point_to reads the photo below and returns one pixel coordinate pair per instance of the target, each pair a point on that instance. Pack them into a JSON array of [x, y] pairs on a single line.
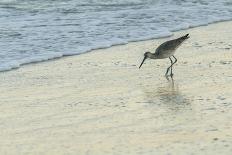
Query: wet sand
[[101, 103]]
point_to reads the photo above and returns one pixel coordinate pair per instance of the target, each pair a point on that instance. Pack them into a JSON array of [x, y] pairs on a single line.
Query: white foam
[[33, 32]]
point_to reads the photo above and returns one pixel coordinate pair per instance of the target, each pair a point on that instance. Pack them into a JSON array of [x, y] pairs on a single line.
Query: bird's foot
[[167, 77], [171, 75]]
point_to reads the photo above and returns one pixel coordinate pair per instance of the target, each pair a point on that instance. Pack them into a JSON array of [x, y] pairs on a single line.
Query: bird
[[166, 50]]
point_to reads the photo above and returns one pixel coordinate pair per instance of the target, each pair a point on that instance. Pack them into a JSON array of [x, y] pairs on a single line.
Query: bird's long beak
[[143, 61]]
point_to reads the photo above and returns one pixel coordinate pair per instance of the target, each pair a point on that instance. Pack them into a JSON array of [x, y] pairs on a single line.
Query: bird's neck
[[151, 56]]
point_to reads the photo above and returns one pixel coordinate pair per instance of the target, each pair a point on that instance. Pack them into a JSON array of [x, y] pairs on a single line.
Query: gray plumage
[[166, 50]]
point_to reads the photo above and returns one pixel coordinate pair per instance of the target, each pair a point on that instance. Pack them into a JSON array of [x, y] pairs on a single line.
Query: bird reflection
[[169, 96]]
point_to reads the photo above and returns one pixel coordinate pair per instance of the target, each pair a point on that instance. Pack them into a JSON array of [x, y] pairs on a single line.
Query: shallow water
[[39, 30]]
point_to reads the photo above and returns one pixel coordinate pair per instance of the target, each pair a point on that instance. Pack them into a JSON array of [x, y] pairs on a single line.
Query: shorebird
[[166, 50]]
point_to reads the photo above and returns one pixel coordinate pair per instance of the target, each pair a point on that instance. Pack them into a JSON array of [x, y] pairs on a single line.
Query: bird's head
[[146, 55]]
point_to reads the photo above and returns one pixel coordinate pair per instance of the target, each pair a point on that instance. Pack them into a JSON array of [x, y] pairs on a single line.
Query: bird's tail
[[185, 37]]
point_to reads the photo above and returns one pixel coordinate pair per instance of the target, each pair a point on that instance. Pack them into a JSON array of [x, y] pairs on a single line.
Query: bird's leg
[[173, 64], [175, 59], [171, 69], [166, 74]]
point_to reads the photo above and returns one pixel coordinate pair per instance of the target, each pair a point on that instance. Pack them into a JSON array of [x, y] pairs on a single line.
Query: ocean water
[[39, 30]]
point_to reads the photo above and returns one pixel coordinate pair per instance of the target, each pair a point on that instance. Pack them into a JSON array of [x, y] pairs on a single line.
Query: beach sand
[[100, 102]]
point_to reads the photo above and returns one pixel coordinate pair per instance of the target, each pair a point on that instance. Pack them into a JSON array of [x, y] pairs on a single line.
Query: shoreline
[[101, 103], [103, 48]]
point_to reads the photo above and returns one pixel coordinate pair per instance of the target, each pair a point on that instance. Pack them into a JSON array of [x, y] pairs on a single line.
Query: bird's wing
[[171, 44]]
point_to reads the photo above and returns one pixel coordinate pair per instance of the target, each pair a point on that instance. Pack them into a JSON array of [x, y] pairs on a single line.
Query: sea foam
[[33, 31]]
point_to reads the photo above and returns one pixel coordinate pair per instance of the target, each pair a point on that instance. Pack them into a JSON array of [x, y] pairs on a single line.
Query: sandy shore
[[101, 103]]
